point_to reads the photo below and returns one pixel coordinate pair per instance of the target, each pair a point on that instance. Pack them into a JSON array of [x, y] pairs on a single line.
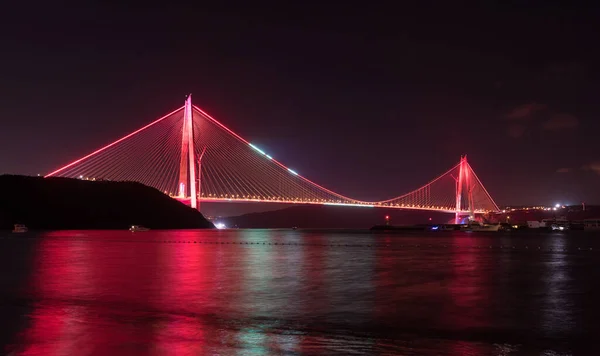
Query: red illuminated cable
[[170, 163], [151, 150], [483, 187], [88, 164], [429, 183], [238, 180], [160, 158], [111, 144], [221, 171], [241, 179], [123, 160], [274, 160]]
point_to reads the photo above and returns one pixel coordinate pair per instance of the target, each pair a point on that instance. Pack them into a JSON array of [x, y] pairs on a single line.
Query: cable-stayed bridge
[[192, 157]]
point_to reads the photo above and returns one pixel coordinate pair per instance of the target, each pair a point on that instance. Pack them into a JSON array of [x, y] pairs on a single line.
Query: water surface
[[280, 292]]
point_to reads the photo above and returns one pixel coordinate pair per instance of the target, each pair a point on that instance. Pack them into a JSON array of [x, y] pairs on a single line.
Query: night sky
[[370, 101]]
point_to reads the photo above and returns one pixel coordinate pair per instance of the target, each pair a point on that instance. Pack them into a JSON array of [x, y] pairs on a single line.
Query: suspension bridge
[[194, 158]]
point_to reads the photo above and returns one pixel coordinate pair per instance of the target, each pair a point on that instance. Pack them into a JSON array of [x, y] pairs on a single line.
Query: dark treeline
[[63, 203]]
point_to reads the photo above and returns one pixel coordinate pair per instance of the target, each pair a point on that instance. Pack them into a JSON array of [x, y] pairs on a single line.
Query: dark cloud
[[528, 116], [563, 170], [560, 122], [525, 111], [522, 114], [593, 167], [516, 130]]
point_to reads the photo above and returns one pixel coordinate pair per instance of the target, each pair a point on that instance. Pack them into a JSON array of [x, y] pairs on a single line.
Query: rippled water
[[263, 292]]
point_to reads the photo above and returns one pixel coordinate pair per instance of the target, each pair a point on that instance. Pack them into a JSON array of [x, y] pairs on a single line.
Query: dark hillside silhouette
[[63, 203], [322, 216]]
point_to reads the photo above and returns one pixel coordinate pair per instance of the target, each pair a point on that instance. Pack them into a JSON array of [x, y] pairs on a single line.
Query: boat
[[560, 221], [559, 227], [20, 228], [475, 226], [444, 227], [138, 228]]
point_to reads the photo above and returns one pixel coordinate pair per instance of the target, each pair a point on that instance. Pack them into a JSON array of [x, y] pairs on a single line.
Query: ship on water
[[477, 226]]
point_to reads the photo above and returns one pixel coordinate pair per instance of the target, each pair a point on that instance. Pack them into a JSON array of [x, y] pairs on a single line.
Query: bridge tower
[[464, 181], [187, 165]]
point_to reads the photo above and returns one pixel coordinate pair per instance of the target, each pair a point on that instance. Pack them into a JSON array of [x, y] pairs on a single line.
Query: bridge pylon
[[187, 165], [464, 185]]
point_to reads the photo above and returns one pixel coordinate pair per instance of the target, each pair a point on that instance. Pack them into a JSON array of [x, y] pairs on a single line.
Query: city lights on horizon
[[554, 207]]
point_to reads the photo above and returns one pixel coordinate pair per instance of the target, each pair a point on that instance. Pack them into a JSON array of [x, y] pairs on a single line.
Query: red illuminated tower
[[187, 166], [464, 179]]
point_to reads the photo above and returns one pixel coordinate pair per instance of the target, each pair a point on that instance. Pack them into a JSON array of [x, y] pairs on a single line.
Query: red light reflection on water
[[185, 279], [469, 285], [61, 274], [103, 293], [98, 294], [436, 284]]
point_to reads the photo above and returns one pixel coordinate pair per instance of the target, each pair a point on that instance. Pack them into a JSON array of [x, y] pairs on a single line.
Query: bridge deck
[[449, 210]]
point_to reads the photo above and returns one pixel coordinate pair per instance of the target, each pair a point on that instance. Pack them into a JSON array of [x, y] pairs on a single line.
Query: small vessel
[[476, 226], [20, 228], [444, 227], [138, 228], [559, 227], [560, 221], [294, 227]]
